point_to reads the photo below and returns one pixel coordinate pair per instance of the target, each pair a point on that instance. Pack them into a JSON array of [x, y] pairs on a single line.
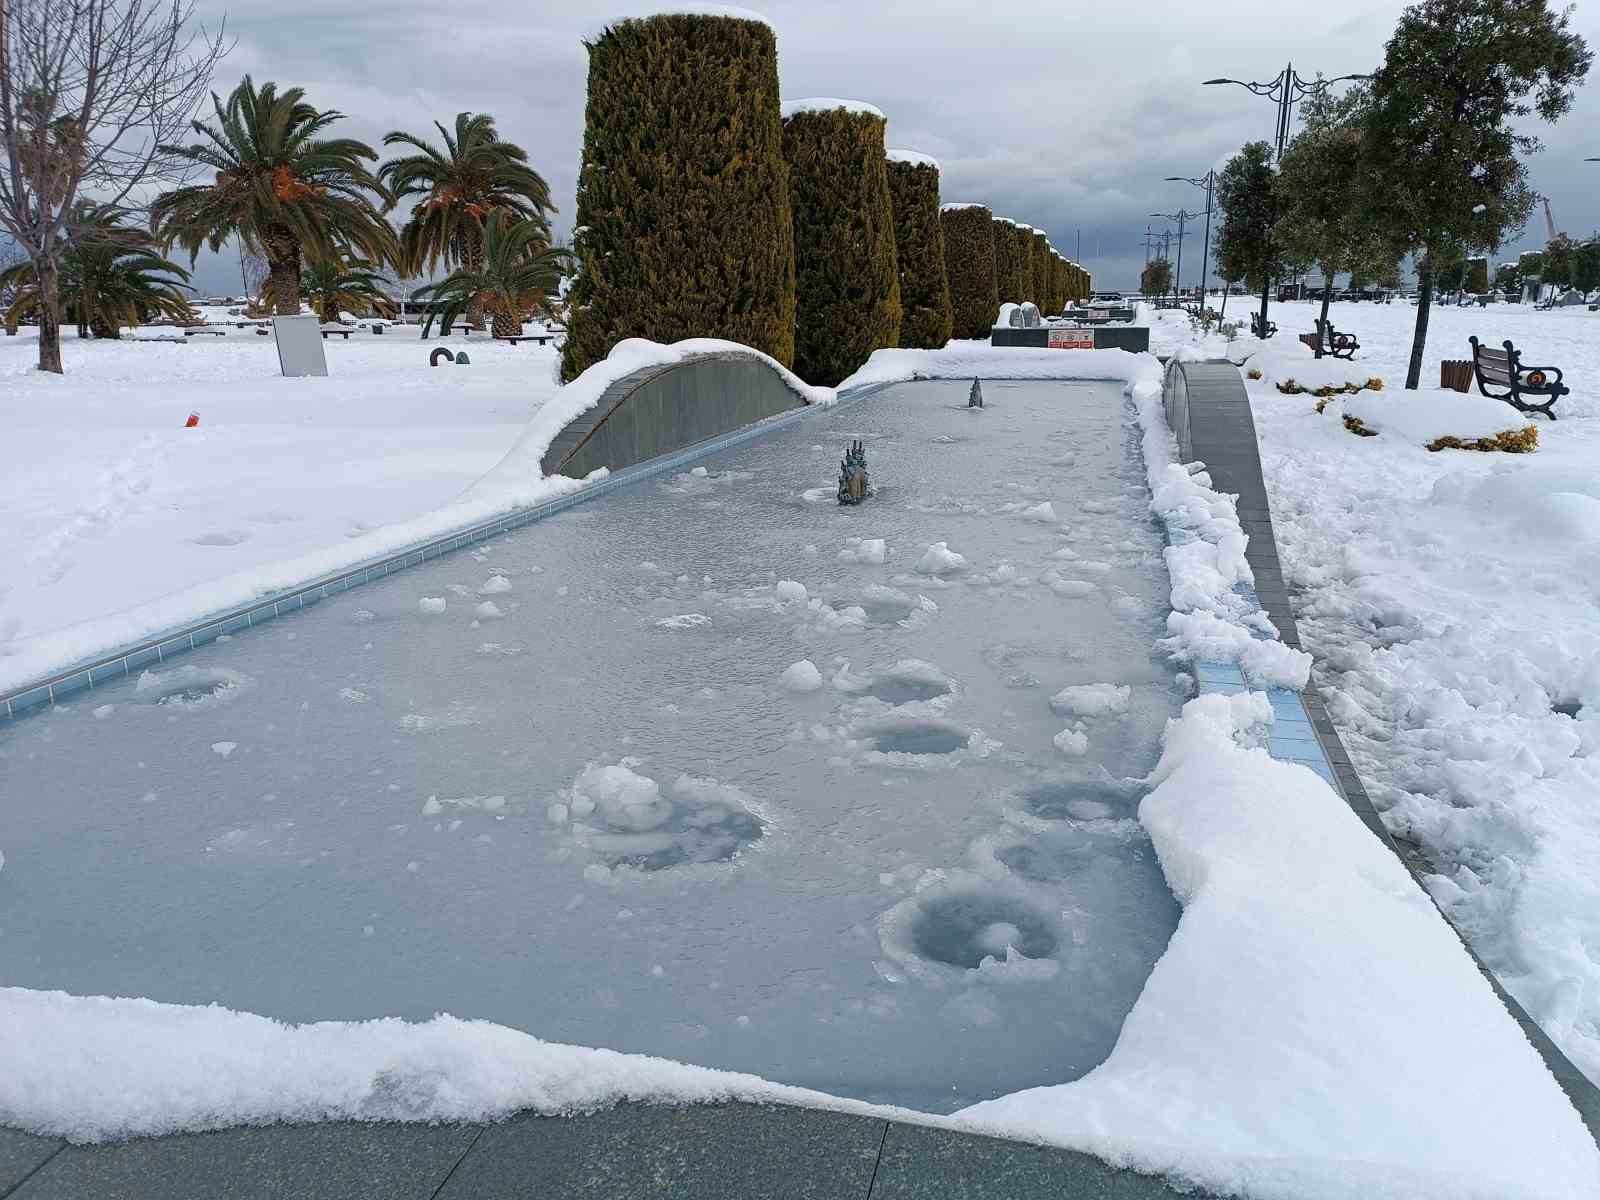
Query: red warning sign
[[1062, 338]]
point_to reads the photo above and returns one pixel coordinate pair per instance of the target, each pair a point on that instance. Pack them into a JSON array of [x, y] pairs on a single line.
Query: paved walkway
[[716, 1152]]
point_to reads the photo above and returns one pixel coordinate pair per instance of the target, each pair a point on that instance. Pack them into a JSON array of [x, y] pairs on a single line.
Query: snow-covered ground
[[1452, 601], [111, 503]]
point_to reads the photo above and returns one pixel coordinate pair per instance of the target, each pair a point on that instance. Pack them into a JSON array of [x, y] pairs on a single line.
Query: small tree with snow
[[847, 276], [1458, 78], [969, 266], [1156, 277], [1248, 195], [926, 318]]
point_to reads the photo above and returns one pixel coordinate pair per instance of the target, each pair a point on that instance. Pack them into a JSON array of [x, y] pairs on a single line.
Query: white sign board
[[1100, 314], [1062, 338], [299, 341]]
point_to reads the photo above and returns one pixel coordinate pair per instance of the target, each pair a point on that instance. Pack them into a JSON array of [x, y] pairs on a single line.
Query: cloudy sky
[[1062, 115]]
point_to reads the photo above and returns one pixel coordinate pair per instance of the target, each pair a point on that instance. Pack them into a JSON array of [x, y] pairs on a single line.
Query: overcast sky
[[1063, 116]]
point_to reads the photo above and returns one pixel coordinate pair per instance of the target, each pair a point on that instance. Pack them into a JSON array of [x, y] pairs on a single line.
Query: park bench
[[541, 338], [1334, 343], [335, 330], [1503, 369], [212, 332], [1255, 327]]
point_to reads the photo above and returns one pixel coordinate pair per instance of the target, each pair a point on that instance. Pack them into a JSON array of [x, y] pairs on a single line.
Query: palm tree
[[111, 276], [519, 270], [284, 191], [341, 285], [457, 189]]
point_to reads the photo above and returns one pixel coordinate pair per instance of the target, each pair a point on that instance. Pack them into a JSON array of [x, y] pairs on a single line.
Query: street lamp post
[[1182, 216], [1207, 181], [1286, 90]]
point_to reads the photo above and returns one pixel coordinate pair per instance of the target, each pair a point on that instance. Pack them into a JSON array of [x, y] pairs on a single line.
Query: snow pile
[[970, 360], [1314, 1029], [521, 465], [914, 158], [940, 560], [1092, 700], [802, 676], [817, 104], [92, 1068], [1285, 358], [1421, 417]]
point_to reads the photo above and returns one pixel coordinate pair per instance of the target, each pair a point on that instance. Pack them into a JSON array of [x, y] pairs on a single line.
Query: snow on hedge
[[1424, 416], [956, 205], [1314, 1029], [915, 158], [813, 104]]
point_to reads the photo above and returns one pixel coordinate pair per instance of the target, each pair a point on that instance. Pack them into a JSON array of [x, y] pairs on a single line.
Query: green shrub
[[1024, 236], [925, 320], [969, 266], [1041, 272], [847, 281], [683, 224], [1007, 261]]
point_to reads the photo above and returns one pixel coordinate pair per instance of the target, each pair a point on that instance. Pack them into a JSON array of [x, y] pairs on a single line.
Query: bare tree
[[90, 92]]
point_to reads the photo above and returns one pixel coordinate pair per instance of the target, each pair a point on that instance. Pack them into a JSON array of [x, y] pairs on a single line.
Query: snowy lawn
[[111, 503], [1451, 600]]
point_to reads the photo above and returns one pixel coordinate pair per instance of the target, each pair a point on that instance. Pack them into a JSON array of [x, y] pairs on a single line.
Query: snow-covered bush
[[925, 316], [683, 227], [969, 266], [1438, 419], [847, 281]]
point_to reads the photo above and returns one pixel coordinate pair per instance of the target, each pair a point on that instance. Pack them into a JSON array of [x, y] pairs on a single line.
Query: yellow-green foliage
[[683, 224], [1507, 441], [919, 250], [847, 275], [1253, 373], [1354, 425], [969, 266]]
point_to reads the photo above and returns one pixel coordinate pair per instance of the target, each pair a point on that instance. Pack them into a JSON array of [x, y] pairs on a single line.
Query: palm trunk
[[49, 276], [473, 257], [283, 260], [1419, 339], [506, 323], [1327, 295]]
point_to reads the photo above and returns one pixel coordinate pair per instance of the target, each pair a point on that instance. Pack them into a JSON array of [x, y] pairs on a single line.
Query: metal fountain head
[[854, 486]]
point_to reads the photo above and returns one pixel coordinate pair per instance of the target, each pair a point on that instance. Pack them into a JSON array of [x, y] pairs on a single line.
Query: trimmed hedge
[[847, 279], [683, 223], [1025, 263], [969, 250], [1041, 272], [1007, 261], [926, 319], [1058, 283]]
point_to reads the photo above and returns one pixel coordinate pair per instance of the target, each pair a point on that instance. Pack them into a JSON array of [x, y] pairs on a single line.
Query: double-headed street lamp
[[1286, 90], [1182, 217], [1209, 182]]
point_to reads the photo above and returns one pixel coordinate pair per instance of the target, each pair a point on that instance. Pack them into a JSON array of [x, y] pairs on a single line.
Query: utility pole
[[1286, 90], [1182, 217], [1209, 182]]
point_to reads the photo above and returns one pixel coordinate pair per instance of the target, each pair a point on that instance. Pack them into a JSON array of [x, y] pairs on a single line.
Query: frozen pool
[[574, 783]]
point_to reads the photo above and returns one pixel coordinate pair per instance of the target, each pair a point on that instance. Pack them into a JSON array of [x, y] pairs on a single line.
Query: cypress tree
[[1058, 283], [926, 317], [1041, 271], [683, 223], [847, 279], [1008, 269], [969, 250], [1024, 237]]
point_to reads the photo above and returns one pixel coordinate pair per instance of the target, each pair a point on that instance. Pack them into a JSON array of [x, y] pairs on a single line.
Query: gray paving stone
[[921, 1162], [21, 1154], [707, 1152], [345, 1161]]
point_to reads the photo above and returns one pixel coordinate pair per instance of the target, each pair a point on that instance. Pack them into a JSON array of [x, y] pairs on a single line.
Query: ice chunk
[[684, 621], [104, 711], [488, 610], [790, 592], [626, 799], [495, 585], [802, 676], [866, 551], [940, 560], [1072, 740], [1044, 513], [1092, 700], [223, 749], [431, 604], [699, 472]]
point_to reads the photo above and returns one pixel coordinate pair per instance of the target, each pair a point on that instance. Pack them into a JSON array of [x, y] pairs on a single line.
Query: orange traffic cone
[[193, 421]]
